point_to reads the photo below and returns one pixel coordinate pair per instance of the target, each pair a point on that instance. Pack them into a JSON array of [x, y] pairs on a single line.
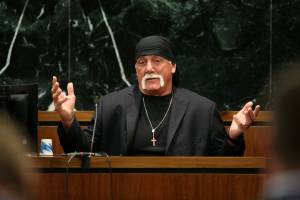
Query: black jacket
[[195, 126]]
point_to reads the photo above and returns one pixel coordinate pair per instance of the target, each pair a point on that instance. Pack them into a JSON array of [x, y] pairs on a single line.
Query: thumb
[[70, 89]]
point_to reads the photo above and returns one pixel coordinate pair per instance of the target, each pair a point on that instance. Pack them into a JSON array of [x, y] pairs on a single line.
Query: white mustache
[[152, 75]]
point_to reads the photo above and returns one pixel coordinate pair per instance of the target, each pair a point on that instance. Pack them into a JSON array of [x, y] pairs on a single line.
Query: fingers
[[247, 106], [70, 89], [247, 111], [251, 114], [56, 95], [256, 110], [56, 90], [59, 98], [246, 116], [54, 80], [63, 95], [244, 124], [55, 85], [60, 101]]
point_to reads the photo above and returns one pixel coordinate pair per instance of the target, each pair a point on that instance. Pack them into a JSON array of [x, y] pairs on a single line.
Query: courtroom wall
[[227, 50]]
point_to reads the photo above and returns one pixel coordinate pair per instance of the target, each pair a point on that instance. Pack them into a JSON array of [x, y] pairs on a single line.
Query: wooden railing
[[257, 137], [85, 116]]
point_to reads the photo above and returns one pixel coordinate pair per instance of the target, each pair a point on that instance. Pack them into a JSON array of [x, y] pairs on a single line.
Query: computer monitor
[[20, 104]]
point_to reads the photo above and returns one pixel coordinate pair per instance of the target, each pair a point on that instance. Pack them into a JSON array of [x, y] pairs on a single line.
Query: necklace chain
[[161, 121]]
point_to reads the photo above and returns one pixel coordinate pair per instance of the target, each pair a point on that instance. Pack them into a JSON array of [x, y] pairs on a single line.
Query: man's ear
[[173, 70]]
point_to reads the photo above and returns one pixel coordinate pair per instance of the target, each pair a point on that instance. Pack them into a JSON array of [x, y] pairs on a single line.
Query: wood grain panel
[[258, 141], [245, 184], [148, 186], [86, 116], [172, 186], [49, 116]]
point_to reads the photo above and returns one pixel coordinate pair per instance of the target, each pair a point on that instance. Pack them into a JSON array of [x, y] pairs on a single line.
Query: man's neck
[[156, 93]]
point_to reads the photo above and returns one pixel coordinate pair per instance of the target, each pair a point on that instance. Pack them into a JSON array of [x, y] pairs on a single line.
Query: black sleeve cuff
[[237, 141]]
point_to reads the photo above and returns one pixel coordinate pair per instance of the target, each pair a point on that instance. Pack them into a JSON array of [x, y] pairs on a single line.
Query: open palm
[[64, 103]]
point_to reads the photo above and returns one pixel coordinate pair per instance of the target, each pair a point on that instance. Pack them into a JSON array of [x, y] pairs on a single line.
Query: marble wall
[[227, 50]]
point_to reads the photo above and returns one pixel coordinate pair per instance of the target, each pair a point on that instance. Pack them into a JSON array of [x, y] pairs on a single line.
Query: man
[[152, 117]]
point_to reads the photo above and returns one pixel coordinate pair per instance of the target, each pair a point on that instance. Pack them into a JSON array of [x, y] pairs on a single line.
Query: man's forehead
[[150, 57], [155, 45]]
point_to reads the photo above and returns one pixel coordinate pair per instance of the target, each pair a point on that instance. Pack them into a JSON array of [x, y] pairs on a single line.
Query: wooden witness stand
[[160, 178]]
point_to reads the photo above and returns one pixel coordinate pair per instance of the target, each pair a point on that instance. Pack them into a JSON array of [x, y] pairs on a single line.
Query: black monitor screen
[[19, 102]]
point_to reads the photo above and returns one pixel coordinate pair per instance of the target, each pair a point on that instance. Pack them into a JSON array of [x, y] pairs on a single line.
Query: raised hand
[[64, 103], [243, 120]]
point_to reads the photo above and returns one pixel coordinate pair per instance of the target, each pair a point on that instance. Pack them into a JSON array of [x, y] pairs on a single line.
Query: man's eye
[[157, 60], [141, 62]]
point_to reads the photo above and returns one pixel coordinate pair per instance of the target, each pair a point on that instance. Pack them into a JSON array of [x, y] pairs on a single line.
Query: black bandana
[[155, 45]]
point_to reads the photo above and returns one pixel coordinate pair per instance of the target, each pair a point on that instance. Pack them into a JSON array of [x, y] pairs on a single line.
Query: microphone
[[86, 155], [94, 129]]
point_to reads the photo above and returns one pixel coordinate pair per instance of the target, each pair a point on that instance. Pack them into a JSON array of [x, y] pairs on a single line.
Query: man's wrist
[[235, 140], [67, 123]]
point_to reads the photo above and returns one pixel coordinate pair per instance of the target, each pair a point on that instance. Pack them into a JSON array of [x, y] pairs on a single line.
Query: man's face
[[155, 75]]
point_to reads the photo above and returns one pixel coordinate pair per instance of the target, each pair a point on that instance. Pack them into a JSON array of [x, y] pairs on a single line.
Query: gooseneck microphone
[[95, 124], [85, 162], [90, 153]]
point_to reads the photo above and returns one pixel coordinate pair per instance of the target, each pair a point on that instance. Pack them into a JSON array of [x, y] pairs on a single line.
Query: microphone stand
[[86, 156]]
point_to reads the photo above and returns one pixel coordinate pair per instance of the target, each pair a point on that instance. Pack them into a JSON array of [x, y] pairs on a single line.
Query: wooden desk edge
[[152, 162]]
